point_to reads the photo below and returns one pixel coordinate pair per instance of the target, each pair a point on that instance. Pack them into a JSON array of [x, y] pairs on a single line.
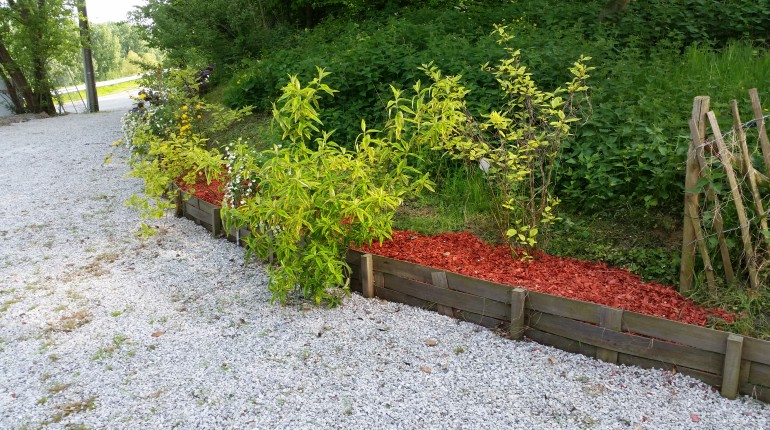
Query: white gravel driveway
[[101, 330]]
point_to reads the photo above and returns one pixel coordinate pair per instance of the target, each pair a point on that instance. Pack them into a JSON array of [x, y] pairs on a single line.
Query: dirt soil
[[8, 120]]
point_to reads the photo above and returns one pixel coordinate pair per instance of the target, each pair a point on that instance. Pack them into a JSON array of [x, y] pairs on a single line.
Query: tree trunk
[[309, 15], [18, 104], [18, 80], [43, 91]]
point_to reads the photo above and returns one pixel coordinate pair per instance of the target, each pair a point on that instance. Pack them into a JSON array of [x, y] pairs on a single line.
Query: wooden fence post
[[216, 223], [179, 204], [749, 167], [610, 319], [518, 306], [687, 269], [732, 368], [691, 209], [367, 276], [440, 281], [764, 143], [726, 157]]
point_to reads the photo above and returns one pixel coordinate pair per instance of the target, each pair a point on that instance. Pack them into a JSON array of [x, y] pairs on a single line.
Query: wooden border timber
[[735, 363], [739, 365], [199, 211]]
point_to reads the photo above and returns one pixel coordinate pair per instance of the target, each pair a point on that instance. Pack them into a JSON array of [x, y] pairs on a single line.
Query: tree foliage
[[106, 50], [228, 31], [33, 34]]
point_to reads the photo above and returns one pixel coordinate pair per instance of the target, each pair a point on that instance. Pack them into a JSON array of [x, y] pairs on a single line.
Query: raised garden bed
[[736, 364]]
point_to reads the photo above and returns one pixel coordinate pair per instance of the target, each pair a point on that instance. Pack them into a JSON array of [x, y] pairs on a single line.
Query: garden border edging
[[738, 364]]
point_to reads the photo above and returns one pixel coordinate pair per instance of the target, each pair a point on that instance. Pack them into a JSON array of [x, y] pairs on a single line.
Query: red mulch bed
[[466, 254], [212, 193], [593, 282]]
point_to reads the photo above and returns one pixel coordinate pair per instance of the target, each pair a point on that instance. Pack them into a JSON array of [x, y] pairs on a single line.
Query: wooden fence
[[730, 154], [735, 363]]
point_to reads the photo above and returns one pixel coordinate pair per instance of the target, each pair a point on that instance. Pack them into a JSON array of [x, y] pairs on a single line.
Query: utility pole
[[88, 60]]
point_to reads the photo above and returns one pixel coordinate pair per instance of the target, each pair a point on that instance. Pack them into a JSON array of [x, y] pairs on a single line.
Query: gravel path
[[101, 330]]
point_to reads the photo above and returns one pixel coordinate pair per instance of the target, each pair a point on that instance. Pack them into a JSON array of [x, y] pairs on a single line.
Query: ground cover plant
[[623, 166]]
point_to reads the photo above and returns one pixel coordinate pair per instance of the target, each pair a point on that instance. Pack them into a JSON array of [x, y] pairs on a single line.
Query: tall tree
[[32, 34], [106, 51]]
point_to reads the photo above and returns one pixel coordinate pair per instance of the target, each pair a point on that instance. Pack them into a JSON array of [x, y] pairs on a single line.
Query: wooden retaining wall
[[206, 215], [736, 364]]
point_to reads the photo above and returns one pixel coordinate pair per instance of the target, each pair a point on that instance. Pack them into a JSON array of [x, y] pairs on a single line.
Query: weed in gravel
[[58, 388], [38, 227], [4, 306], [54, 358], [107, 351], [66, 409], [77, 427], [34, 286], [116, 313], [71, 293], [72, 322]]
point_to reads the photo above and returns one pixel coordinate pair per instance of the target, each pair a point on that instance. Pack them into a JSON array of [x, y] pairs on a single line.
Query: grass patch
[[72, 322], [107, 351], [66, 409], [7, 304], [58, 388], [80, 96], [460, 203]]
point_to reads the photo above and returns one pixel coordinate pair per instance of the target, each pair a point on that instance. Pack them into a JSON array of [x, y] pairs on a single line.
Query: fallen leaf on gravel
[[551, 360], [425, 369], [158, 333], [694, 418], [431, 342]]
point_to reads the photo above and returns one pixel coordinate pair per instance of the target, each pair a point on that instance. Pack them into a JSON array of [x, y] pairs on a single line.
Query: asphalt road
[[113, 102]]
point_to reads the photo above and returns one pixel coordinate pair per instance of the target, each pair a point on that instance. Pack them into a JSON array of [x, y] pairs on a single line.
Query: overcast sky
[[110, 10]]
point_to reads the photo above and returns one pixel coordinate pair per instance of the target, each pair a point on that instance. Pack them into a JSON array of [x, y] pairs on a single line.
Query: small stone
[[158, 333], [431, 342], [426, 369]]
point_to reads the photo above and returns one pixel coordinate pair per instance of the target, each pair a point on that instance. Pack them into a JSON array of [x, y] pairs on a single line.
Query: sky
[[100, 11]]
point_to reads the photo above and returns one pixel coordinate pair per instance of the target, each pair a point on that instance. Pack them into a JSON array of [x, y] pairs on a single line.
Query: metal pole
[[88, 61]]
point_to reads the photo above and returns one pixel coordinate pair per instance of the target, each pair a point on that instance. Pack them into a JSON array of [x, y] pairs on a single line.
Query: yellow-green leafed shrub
[[167, 134], [314, 198]]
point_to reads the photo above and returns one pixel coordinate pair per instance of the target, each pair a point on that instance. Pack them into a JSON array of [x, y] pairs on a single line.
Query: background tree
[[33, 34], [228, 31], [106, 50]]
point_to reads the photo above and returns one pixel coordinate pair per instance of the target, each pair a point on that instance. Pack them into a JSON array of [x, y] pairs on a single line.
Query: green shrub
[[632, 151], [167, 135], [313, 198]]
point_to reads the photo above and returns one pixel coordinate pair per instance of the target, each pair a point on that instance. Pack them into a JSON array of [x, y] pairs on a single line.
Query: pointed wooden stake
[[764, 143], [687, 268], [726, 157], [749, 168]]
